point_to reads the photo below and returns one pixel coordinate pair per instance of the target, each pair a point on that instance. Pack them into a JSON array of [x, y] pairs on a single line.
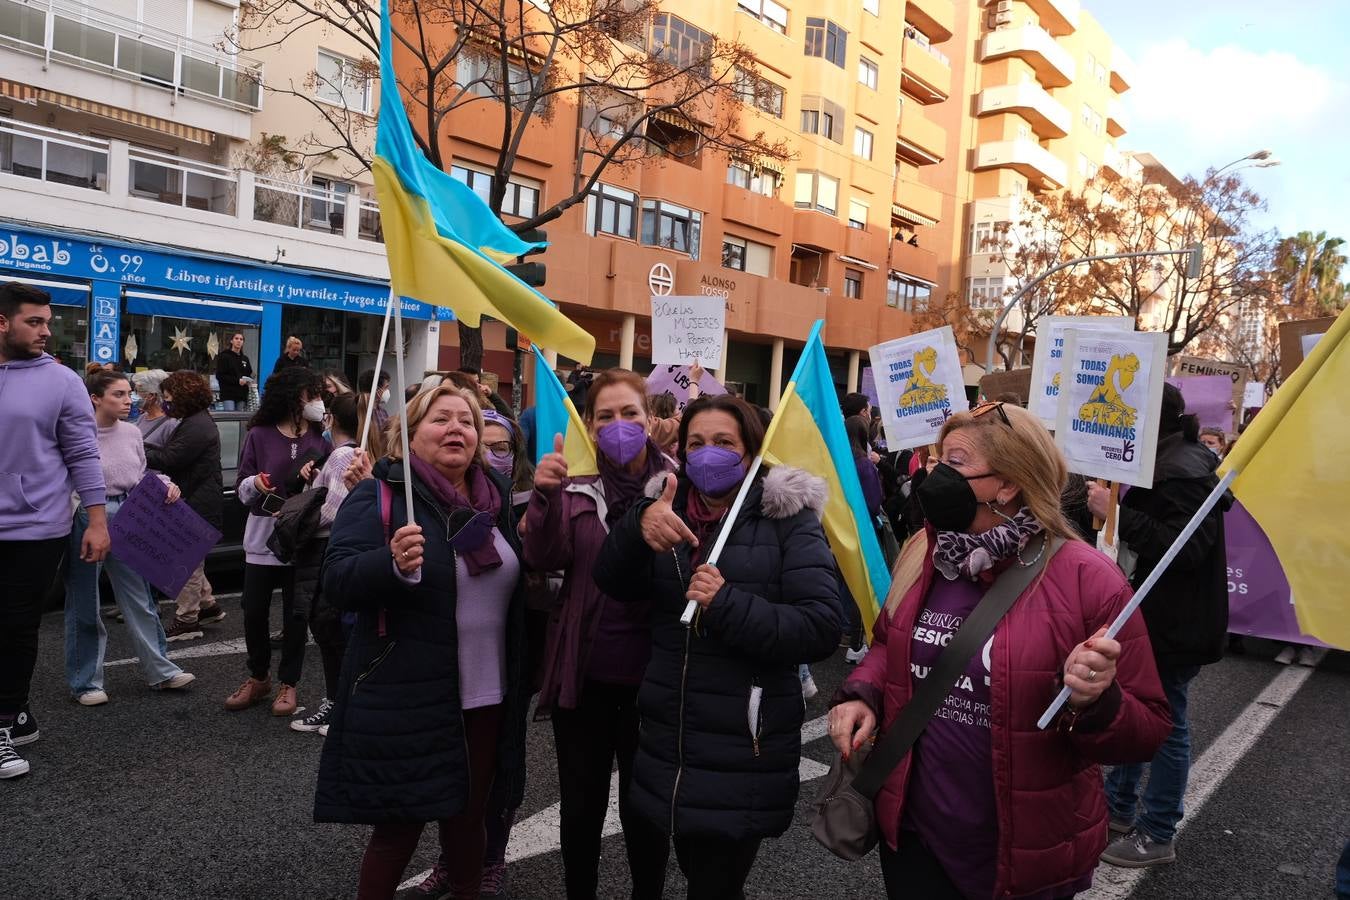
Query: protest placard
[[1209, 397], [1110, 394], [1193, 365], [1254, 395], [919, 386], [1048, 361], [675, 381], [868, 388], [161, 542], [1013, 381], [1294, 344], [686, 330]]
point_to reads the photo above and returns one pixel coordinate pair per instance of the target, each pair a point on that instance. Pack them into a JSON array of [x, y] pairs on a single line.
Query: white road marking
[[194, 651], [1210, 770], [539, 833]]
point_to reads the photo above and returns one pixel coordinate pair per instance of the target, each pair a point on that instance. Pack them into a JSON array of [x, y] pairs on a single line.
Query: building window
[[522, 198], [611, 210], [733, 253], [477, 180], [868, 72], [1087, 169], [826, 40], [872, 6], [328, 202], [607, 113], [665, 138], [988, 237], [986, 293], [339, 80], [768, 12], [823, 117], [862, 143], [816, 191], [857, 215], [674, 227], [853, 284], [758, 181], [680, 44], [480, 74], [760, 93], [908, 294]]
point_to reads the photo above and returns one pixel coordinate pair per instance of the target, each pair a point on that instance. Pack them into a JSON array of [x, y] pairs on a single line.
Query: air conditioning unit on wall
[[1003, 6], [998, 19]]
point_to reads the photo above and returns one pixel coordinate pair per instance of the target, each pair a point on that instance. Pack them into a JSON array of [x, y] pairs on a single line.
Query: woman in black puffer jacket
[[721, 702]]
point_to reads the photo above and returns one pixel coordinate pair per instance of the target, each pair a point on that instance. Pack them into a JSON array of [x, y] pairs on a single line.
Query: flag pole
[[403, 416], [1053, 709], [372, 400], [687, 617]]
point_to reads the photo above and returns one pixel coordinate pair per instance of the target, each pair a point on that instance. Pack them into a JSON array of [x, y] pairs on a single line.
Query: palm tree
[[1311, 266]]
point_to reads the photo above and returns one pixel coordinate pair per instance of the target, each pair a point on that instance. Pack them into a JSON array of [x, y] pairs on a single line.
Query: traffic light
[[532, 273]]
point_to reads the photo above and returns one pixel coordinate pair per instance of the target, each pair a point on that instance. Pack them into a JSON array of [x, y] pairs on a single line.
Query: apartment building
[[133, 186]]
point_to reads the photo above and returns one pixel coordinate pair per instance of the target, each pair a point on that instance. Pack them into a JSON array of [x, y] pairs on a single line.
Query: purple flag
[[1259, 601], [675, 379], [161, 542], [1208, 396]]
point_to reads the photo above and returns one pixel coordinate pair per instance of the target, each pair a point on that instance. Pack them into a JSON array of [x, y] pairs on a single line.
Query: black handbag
[[845, 818]]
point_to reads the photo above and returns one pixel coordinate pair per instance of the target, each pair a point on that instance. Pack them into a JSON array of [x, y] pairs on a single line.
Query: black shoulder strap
[[970, 637]]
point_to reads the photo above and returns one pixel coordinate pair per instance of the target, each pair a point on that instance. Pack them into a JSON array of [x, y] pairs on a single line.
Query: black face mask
[[947, 499]]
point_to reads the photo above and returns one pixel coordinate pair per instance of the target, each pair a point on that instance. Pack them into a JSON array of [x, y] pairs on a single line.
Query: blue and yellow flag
[[445, 245], [554, 414], [1294, 482], [808, 432]]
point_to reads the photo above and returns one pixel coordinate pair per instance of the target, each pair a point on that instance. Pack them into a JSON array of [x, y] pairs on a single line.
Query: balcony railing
[[46, 154], [182, 182], [81, 35]]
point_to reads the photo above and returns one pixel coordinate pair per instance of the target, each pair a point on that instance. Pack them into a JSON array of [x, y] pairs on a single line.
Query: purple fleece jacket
[[50, 448]]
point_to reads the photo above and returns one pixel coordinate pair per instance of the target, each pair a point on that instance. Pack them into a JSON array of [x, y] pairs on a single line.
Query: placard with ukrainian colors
[[1110, 394], [1048, 361], [919, 386]]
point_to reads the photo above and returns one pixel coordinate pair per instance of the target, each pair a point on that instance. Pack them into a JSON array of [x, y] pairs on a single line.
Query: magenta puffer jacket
[[1048, 790]]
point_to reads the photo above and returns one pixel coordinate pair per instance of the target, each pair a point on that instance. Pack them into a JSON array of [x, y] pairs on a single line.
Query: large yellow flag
[[1293, 477]]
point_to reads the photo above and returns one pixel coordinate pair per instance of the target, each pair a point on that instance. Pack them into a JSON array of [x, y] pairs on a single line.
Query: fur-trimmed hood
[[786, 491]]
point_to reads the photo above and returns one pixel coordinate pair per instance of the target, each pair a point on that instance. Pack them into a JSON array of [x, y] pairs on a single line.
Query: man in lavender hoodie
[[50, 448]]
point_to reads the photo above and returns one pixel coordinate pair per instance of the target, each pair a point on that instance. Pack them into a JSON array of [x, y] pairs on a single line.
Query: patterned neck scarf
[[960, 554]]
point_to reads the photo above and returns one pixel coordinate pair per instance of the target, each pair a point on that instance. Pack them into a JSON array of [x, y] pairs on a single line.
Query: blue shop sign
[[55, 253]]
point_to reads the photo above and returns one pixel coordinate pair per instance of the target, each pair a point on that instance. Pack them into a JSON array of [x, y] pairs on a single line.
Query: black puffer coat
[[191, 459], [395, 750], [705, 766], [1187, 611]]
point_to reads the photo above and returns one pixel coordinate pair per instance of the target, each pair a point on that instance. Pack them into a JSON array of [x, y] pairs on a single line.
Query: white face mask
[[384, 395], [313, 411]]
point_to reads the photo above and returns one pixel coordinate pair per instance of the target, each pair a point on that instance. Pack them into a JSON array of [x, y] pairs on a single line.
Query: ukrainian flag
[[1294, 483], [555, 414], [808, 432], [444, 244]]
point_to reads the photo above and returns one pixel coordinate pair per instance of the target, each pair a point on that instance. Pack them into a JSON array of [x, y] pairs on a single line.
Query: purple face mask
[[714, 470], [505, 463], [622, 441]]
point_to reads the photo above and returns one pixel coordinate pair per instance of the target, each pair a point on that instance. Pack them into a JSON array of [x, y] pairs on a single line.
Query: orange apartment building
[[913, 121]]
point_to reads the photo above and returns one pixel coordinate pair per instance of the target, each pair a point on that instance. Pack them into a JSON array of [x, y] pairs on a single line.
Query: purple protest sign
[[675, 379], [161, 542], [1208, 396], [869, 385], [1259, 601]]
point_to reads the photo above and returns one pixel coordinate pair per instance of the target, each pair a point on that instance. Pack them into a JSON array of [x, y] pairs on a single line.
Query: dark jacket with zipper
[[707, 764], [396, 749], [230, 367], [191, 459], [1187, 610]]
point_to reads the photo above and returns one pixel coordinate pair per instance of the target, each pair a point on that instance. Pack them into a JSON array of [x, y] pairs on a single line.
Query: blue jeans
[[86, 637], [228, 405], [1167, 773], [1343, 874]]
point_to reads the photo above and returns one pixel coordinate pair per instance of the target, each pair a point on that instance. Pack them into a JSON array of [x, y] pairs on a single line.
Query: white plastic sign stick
[[687, 329], [374, 398], [687, 617]]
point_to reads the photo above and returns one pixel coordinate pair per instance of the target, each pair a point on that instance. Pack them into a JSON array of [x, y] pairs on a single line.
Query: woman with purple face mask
[[596, 649], [717, 761]]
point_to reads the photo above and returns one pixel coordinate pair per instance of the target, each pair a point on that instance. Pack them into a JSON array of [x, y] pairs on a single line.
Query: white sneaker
[[853, 657], [1285, 656], [809, 688], [177, 682], [1309, 656], [93, 698], [12, 764], [323, 730]]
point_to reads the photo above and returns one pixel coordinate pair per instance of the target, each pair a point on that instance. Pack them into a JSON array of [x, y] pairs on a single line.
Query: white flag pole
[[687, 617], [403, 405], [1149, 583], [372, 400]]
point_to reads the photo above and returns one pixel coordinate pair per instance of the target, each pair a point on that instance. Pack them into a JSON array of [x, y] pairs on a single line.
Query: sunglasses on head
[[994, 406]]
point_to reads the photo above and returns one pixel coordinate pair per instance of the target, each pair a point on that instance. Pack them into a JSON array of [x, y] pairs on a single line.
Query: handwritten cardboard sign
[[1109, 399], [919, 385], [686, 330], [1254, 395], [1048, 362], [675, 381], [1013, 381], [1293, 346], [161, 542], [1194, 365]]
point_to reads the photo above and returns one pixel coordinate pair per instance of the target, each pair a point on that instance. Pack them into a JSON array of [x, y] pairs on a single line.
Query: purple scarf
[[958, 553], [622, 487], [483, 497]]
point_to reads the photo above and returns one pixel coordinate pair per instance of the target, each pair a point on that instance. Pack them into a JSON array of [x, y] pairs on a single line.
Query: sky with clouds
[[1216, 81]]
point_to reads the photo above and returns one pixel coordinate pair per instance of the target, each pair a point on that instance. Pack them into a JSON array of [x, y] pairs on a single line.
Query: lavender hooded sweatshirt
[[50, 448]]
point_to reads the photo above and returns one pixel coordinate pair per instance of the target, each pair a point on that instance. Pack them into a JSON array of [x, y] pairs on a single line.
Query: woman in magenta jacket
[[987, 805]]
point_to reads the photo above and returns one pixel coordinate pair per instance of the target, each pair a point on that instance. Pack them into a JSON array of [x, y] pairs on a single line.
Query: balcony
[[1123, 164], [768, 214], [1117, 123], [1053, 64], [922, 142], [1059, 17], [1046, 115], [818, 230], [916, 261], [924, 204], [1027, 157], [925, 72], [1122, 71], [935, 18]]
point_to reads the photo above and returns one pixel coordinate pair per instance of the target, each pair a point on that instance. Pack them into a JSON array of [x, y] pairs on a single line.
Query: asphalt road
[[170, 796]]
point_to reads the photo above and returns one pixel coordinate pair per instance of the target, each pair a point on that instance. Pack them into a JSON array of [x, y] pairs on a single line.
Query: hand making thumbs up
[[662, 529], [552, 469]]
